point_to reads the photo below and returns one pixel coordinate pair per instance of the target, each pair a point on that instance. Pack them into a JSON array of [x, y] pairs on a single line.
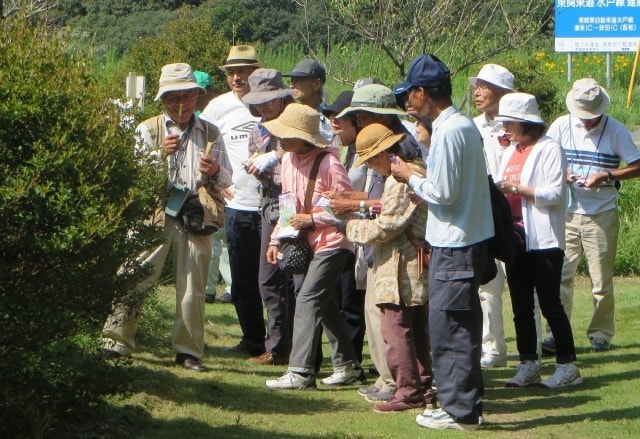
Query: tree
[[73, 194], [461, 32]]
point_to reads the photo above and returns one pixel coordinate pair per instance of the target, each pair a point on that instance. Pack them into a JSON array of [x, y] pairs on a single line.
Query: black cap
[[342, 101], [308, 68]]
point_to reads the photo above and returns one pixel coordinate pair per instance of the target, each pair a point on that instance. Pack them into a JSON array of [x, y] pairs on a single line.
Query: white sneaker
[[441, 420], [528, 374], [345, 375], [493, 360], [565, 375], [292, 381]]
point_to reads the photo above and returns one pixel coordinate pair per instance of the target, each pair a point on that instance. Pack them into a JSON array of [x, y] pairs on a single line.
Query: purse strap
[[311, 184]]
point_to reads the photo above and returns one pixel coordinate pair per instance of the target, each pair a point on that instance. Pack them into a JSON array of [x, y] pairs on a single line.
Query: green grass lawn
[[231, 400]]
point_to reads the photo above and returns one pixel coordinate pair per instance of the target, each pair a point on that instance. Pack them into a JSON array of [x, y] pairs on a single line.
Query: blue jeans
[[243, 240]]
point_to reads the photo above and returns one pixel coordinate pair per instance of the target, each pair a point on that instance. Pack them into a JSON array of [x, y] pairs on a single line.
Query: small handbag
[[295, 255]]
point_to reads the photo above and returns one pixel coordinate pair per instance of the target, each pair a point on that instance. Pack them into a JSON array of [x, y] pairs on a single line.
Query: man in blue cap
[[459, 224]]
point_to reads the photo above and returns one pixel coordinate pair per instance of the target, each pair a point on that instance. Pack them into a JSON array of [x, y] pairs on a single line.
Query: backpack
[[502, 245]]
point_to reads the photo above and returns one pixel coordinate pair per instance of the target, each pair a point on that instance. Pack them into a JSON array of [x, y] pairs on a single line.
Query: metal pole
[[569, 66], [633, 75], [608, 69]]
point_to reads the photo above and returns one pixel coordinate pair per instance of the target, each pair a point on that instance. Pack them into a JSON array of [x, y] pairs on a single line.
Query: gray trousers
[[455, 328], [316, 307]]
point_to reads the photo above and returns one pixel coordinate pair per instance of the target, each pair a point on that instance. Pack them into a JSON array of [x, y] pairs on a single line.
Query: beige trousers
[[191, 256], [376, 343], [595, 236]]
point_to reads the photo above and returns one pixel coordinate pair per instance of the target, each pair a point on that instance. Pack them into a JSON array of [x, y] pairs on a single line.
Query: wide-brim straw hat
[[374, 98], [265, 85], [374, 139], [177, 77], [241, 56], [587, 99], [519, 107], [298, 121]]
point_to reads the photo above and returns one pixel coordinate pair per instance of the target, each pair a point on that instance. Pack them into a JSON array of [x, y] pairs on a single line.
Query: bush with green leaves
[[72, 197]]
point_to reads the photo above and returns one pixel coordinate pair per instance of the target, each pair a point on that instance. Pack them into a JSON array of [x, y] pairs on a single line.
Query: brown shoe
[[270, 358], [191, 363]]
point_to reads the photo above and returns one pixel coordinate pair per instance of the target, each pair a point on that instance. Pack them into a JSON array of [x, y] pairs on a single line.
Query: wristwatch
[[362, 209], [514, 189]]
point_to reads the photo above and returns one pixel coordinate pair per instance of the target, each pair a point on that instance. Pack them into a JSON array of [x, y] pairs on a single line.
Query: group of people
[[390, 191]]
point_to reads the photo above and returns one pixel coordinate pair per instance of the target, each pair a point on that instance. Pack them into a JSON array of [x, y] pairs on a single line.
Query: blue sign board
[[597, 25]]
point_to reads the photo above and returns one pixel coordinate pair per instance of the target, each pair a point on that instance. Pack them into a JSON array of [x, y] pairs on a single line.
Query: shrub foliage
[[72, 193]]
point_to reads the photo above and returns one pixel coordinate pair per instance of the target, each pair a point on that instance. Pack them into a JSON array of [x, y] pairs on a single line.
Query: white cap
[[519, 107], [496, 75]]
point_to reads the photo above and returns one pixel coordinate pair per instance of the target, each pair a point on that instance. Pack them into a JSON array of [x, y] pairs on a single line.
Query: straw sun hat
[[373, 139], [297, 121]]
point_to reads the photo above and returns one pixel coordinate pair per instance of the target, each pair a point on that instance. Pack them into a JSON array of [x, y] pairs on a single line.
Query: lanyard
[[595, 153], [177, 159]]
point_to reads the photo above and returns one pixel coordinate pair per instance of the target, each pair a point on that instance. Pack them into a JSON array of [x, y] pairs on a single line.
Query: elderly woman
[[298, 128], [532, 175], [400, 281], [267, 99]]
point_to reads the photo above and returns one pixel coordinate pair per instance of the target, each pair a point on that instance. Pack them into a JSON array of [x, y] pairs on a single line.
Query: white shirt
[[599, 150], [490, 130], [235, 122], [544, 217]]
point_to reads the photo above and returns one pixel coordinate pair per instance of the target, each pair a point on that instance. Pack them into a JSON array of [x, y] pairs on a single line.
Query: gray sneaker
[[528, 374], [225, 298], [292, 381], [379, 397], [364, 391], [565, 375]]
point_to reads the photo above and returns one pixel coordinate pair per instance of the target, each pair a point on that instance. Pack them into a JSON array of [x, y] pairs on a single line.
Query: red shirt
[[512, 173]]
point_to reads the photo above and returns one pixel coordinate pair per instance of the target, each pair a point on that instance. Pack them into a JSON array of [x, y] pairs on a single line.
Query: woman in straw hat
[[532, 175], [401, 283], [316, 305]]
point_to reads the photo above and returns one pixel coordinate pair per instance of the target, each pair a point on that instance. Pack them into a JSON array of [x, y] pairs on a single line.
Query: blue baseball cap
[[428, 71]]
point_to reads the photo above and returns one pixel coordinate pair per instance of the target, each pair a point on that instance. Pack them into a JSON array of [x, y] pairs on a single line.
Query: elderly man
[[243, 222], [595, 144], [458, 227], [493, 82], [180, 135]]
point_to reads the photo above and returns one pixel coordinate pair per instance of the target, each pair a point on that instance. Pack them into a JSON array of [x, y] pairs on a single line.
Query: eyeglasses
[[174, 97]]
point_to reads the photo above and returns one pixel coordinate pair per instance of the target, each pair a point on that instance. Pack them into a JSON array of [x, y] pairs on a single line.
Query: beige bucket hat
[[177, 77], [587, 99], [298, 121]]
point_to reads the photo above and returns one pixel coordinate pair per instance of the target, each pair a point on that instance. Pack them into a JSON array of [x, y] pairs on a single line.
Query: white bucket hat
[[297, 121], [177, 77], [587, 99], [496, 75], [519, 107]]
